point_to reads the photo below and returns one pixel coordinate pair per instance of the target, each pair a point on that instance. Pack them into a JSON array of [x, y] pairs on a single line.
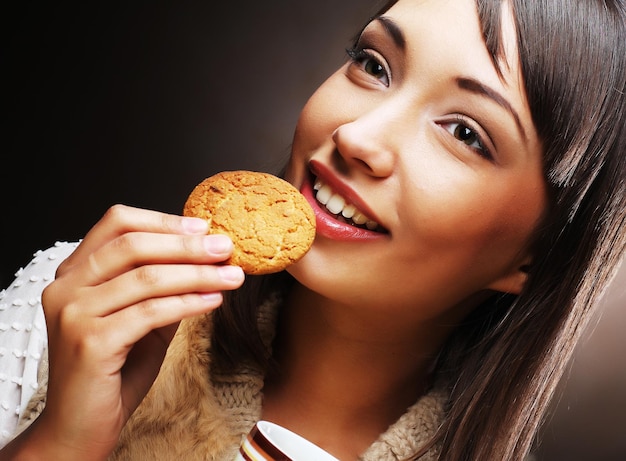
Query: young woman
[[484, 143]]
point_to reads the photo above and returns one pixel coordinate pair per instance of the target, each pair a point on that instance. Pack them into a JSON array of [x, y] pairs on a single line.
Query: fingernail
[[230, 273], [218, 244], [195, 225]]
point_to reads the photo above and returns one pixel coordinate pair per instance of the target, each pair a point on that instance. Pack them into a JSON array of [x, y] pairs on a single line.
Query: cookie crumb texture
[[269, 220]]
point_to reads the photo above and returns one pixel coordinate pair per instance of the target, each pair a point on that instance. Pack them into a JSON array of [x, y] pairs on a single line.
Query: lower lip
[[330, 227]]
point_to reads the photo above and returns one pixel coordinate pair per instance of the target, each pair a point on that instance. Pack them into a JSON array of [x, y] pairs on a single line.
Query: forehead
[[462, 13], [443, 32], [464, 16]]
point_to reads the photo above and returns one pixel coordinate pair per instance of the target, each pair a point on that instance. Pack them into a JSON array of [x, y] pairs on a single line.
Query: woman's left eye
[[369, 64], [467, 135]]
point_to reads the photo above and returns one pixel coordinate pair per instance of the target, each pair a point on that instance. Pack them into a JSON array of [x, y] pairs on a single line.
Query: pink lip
[[327, 225]]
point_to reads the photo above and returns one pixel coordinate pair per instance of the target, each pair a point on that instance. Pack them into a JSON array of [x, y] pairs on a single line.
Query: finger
[[138, 249], [115, 335], [154, 281], [121, 219], [128, 253]]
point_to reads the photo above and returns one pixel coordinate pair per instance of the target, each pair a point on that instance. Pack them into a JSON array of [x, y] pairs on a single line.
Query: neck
[[340, 368]]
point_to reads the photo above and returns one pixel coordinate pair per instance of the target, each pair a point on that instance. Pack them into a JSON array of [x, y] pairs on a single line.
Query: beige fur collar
[[191, 414]]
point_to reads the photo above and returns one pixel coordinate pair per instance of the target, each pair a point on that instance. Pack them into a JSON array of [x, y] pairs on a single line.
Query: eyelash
[[360, 56], [481, 149]]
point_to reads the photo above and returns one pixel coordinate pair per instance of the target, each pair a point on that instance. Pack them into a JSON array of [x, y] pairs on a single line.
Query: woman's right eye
[[368, 63]]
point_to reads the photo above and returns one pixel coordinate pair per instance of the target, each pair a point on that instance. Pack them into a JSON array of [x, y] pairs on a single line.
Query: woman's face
[[437, 153]]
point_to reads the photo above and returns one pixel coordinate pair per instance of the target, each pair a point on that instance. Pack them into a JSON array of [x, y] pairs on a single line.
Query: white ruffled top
[[23, 336]]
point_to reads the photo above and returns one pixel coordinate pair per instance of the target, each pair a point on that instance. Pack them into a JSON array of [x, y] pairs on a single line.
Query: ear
[[512, 282]]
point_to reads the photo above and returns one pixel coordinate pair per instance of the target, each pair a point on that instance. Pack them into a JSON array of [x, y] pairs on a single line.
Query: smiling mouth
[[343, 211]]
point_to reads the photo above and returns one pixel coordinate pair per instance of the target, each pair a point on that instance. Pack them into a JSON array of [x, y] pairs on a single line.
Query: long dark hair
[[503, 364]]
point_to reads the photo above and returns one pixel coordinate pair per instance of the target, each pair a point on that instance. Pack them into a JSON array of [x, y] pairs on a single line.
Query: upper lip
[[350, 195]]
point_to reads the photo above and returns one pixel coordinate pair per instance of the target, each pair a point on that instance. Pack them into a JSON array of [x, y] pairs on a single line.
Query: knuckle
[[147, 275], [128, 246], [82, 337], [116, 213], [148, 308], [192, 246], [204, 273], [89, 342], [63, 268], [170, 222], [68, 316], [77, 334], [48, 294], [53, 300], [188, 245], [126, 243]]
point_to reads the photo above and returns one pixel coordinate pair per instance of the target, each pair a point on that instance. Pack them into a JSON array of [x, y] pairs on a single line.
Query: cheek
[[323, 113], [487, 222]]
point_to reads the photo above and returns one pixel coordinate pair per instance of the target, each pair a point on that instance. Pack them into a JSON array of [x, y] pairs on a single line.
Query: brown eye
[[367, 62], [373, 68], [467, 135]]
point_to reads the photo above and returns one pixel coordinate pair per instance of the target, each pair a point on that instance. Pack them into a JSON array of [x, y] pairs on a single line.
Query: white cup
[[271, 442]]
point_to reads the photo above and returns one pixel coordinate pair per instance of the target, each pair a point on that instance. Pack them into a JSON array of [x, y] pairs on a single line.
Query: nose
[[366, 143]]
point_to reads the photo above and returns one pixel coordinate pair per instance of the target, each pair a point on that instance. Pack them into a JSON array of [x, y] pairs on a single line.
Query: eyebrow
[[393, 30], [479, 88]]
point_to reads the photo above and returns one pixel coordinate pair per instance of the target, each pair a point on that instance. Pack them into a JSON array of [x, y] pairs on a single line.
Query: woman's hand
[[111, 314]]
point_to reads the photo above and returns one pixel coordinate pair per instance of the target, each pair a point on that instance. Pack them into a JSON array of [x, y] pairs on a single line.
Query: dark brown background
[[134, 102]]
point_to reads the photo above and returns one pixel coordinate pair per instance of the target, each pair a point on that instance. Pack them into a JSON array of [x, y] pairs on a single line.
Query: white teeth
[[324, 194], [336, 204], [348, 211]]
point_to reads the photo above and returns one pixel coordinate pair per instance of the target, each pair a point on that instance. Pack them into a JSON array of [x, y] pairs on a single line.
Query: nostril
[[343, 163], [363, 164], [339, 162]]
